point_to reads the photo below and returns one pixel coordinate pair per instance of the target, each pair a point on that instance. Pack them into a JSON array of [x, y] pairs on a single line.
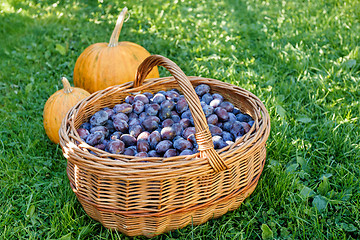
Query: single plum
[[99, 118], [116, 146], [202, 89], [170, 153], [123, 107]]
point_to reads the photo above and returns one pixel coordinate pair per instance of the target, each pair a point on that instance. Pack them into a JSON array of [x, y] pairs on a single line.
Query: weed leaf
[[281, 111], [307, 192], [324, 186], [320, 203], [266, 232], [350, 63], [66, 237], [304, 119], [292, 168], [302, 163], [61, 49], [30, 212]]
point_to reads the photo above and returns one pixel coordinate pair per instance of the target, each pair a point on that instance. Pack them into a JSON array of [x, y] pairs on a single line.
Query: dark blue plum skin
[[167, 104], [185, 122], [218, 96], [227, 126], [227, 136], [133, 115], [236, 111], [95, 138], [142, 116], [177, 138], [100, 146], [141, 155], [149, 95], [130, 152], [128, 140], [83, 133], [243, 117], [143, 145], [251, 123], [163, 146], [129, 99], [109, 111], [154, 139], [86, 125], [222, 114], [134, 122], [186, 152], [212, 119], [182, 144], [208, 110], [102, 129], [116, 147], [144, 135], [141, 97], [99, 118], [187, 114], [177, 127], [202, 89], [110, 126], [123, 107], [115, 135], [154, 118], [219, 142], [181, 105], [215, 130], [172, 94], [207, 98], [150, 125], [176, 118], [138, 107], [168, 133], [165, 113], [135, 130], [228, 106], [120, 116], [246, 127], [170, 153], [152, 109], [121, 125], [237, 129], [153, 153], [188, 131], [232, 117], [167, 123], [158, 98]]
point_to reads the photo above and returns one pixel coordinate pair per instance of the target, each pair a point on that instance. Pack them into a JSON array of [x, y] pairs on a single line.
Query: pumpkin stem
[[66, 84], [114, 39]]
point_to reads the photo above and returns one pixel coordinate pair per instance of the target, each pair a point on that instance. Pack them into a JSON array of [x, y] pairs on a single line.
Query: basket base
[[152, 226]]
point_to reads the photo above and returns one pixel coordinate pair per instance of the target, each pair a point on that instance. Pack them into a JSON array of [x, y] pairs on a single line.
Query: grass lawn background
[[302, 58]]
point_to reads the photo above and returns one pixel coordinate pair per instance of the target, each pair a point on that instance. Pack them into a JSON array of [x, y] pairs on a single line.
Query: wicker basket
[[151, 196]]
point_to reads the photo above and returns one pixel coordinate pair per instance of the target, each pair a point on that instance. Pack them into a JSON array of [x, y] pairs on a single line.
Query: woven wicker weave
[[150, 196]]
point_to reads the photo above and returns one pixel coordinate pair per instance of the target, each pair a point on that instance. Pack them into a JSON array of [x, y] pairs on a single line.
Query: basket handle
[[203, 135]]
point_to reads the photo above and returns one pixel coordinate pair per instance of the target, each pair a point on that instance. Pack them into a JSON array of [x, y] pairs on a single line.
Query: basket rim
[[152, 165]]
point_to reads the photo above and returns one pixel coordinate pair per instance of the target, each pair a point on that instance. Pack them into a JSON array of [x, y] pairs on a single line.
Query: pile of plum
[[161, 125]]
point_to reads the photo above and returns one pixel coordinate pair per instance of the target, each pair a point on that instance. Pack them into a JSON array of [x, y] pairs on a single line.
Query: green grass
[[302, 58]]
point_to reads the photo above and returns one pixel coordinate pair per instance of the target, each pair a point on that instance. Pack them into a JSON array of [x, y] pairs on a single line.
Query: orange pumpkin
[[102, 65], [58, 105]]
